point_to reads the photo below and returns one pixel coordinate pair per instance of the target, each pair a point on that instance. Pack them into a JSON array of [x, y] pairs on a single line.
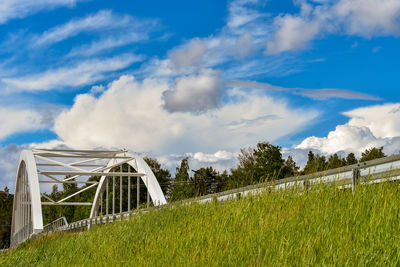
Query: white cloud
[[365, 18], [131, 114], [14, 120], [368, 127], [382, 120], [82, 73], [195, 93], [100, 21], [11, 9], [190, 55], [212, 158], [369, 18], [293, 33], [9, 156], [322, 94], [245, 18], [105, 44], [318, 94], [97, 89], [244, 46]]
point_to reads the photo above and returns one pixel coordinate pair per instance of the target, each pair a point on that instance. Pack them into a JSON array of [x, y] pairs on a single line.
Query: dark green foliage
[[335, 161], [290, 168], [351, 159], [208, 181], [315, 163], [263, 163], [372, 153], [269, 162], [6, 202], [182, 185]]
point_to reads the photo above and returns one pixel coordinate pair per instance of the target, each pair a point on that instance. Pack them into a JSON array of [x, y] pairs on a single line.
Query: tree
[[208, 181], [291, 169], [372, 153], [269, 162], [182, 185], [262, 163], [315, 163], [6, 205], [351, 159], [335, 161]]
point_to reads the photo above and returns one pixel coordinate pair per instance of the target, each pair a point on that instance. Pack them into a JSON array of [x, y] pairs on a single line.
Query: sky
[[202, 79]]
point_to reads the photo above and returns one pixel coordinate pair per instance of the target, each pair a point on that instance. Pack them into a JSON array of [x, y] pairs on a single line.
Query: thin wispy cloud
[[323, 94], [100, 21], [317, 94], [12, 9], [106, 44], [79, 74]]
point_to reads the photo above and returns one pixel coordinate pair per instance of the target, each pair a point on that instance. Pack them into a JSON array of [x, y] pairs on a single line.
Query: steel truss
[[74, 167]]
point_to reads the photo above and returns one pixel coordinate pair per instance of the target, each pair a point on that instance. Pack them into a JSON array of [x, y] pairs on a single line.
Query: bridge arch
[[68, 166], [27, 209], [149, 179]]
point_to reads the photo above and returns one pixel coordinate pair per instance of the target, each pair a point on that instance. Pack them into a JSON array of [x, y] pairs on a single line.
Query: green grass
[[321, 227]]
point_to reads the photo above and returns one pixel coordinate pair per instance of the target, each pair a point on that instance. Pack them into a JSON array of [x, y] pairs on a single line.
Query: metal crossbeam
[[88, 173], [76, 193], [67, 203], [74, 164], [66, 182], [79, 151]]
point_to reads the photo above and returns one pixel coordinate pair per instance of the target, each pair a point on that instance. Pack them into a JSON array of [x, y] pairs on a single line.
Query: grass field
[[320, 227]]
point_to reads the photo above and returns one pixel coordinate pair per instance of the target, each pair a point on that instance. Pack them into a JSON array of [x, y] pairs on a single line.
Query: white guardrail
[[374, 171]]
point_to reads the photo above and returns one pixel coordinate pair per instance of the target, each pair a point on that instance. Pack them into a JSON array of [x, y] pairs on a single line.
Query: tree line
[[261, 163]]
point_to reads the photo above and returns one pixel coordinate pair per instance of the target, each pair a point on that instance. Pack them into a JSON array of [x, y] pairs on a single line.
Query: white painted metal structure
[[71, 167], [27, 215]]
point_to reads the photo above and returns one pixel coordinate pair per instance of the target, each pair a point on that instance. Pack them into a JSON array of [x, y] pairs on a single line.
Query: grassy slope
[[286, 228]]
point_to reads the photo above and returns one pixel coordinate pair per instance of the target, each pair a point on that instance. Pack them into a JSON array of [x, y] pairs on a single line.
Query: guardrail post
[[356, 178], [306, 185]]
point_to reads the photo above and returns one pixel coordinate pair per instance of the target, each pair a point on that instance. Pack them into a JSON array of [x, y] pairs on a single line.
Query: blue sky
[[203, 79]]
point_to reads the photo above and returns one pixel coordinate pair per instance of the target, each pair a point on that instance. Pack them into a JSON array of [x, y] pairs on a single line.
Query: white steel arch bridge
[[40, 167]]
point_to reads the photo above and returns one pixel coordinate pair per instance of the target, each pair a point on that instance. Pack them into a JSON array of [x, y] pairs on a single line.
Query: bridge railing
[[374, 171], [56, 225]]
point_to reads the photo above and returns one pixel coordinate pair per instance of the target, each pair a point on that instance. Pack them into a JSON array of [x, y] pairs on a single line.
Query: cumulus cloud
[[364, 18], [217, 156], [382, 120], [368, 127], [97, 89], [195, 93], [369, 18], [293, 33], [102, 20], [190, 55], [131, 114], [82, 73], [11, 9], [14, 120]]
